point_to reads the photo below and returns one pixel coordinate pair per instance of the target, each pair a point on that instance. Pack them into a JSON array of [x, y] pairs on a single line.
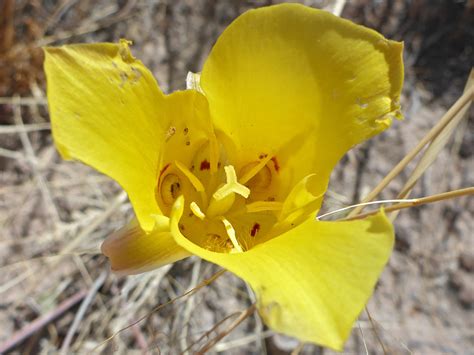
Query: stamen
[[254, 171], [232, 185], [192, 178], [261, 206], [197, 211], [231, 233], [197, 184], [170, 188]]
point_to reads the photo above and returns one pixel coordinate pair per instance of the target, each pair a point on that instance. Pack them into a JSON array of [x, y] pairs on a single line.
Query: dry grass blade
[[460, 104], [209, 332], [82, 310], [30, 153], [25, 128], [436, 145], [203, 284], [418, 202], [374, 328], [25, 101], [223, 347], [298, 349], [190, 304], [244, 315]]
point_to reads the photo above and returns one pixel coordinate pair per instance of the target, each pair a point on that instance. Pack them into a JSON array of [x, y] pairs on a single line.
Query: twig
[[40, 322], [433, 133], [244, 315], [419, 201], [82, 311]]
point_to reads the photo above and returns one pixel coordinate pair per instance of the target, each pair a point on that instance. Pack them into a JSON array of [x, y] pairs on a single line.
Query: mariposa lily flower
[[234, 170]]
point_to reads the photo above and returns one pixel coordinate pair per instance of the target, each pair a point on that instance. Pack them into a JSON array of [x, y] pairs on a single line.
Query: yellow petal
[[302, 84], [132, 251], [313, 281], [107, 111]]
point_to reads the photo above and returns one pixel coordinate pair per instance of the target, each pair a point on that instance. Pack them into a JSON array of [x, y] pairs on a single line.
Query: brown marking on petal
[[275, 164], [188, 142], [137, 74], [181, 227], [164, 169], [255, 229], [186, 130], [205, 165], [170, 133], [262, 156]]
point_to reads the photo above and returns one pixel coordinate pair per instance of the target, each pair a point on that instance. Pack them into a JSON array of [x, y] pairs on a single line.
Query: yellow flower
[[235, 170]]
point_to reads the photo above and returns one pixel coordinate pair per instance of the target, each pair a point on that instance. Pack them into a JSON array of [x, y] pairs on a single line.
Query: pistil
[[223, 199]]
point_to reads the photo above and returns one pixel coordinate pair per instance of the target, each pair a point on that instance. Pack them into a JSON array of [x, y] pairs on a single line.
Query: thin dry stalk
[[374, 328], [418, 202], [82, 311], [28, 147], [188, 309], [157, 308], [464, 100], [209, 332], [298, 349], [434, 148], [244, 315], [223, 347]]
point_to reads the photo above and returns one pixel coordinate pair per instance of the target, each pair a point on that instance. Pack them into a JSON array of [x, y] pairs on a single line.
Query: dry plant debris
[[54, 215]]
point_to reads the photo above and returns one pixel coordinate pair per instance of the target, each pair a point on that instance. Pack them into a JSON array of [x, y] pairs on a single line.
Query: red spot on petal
[[255, 229], [205, 165], [275, 164], [164, 169]]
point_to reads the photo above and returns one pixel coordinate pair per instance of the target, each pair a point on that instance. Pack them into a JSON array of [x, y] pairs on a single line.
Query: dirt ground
[[55, 288]]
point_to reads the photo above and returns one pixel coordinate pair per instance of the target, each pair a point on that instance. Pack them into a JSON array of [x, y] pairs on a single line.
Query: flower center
[[224, 211]]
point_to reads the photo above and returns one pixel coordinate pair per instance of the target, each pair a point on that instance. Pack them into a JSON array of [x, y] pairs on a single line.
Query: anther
[[231, 233], [170, 188], [197, 211]]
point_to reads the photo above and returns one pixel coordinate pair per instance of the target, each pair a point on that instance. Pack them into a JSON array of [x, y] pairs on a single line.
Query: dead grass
[[57, 296]]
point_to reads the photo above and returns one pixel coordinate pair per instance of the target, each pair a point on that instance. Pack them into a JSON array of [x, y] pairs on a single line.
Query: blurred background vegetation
[[56, 294]]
